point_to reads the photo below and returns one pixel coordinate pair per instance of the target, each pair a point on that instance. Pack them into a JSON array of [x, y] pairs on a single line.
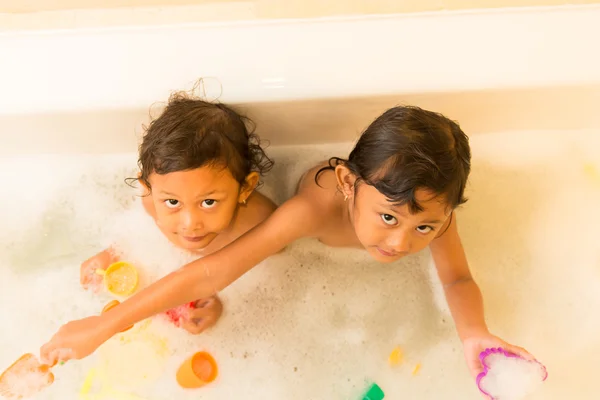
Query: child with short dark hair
[[199, 168]]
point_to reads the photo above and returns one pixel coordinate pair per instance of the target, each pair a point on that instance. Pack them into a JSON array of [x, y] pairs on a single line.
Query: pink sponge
[[507, 376]]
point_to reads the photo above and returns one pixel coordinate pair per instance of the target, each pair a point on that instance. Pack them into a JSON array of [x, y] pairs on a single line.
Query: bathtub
[[313, 322]]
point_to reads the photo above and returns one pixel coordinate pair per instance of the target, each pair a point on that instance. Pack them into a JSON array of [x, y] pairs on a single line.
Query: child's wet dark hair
[[192, 133], [407, 149]]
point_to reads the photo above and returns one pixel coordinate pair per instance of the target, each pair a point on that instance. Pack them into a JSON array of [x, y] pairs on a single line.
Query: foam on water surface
[[26, 377], [315, 322], [508, 376]]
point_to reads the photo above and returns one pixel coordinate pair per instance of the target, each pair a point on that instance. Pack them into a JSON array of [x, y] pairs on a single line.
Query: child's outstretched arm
[[464, 299], [200, 279]]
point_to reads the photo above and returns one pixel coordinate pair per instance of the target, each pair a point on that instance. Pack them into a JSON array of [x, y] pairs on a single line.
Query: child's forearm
[[188, 284], [466, 305], [204, 277]]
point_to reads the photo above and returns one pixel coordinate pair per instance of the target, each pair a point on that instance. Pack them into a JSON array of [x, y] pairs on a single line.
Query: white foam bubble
[[512, 378], [315, 322]]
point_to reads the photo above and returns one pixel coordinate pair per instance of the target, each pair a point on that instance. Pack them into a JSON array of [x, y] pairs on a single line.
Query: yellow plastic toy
[[106, 392], [128, 361], [120, 278], [395, 357]]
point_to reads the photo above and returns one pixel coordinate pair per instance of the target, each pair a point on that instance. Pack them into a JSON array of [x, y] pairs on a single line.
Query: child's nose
[[191, 220], [400, 242]]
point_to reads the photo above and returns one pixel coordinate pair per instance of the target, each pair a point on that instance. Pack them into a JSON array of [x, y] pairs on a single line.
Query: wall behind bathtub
[[89, 90], [52, 14], [287, 8]]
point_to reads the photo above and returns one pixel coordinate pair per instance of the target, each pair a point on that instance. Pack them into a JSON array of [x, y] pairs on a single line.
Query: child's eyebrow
[[210, 193], [162, 192], [433, 221], [403, 215]]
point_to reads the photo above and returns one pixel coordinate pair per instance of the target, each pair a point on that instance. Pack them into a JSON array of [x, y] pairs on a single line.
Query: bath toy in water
[[120, 278], [25, 377], [374, 393], [112, 305], [507, 376], [590, 171], [177, 314], [197, 371], [105, 393], [127, 362], [395, 357], [416, 369]]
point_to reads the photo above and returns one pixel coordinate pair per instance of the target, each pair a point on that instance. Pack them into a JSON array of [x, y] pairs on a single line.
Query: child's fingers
[[197, 314], [520, 352], [48, 355], [205, 303], [198, 325], [64, 355], [51, 354], [475, 367]]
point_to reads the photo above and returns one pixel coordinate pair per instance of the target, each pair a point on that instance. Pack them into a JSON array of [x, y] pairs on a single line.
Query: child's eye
[[388, 219], [209, 203], [424, 229], [172, 203]]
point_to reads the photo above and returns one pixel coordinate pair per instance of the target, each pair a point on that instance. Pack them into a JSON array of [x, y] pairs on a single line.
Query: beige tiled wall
[[287, 8]]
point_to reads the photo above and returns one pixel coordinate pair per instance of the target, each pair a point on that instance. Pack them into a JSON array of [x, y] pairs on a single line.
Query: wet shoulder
[[258, 209], [319, 187]]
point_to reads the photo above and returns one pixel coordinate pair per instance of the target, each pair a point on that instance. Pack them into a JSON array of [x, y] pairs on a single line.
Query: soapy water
[[509, 377], [313, 322]]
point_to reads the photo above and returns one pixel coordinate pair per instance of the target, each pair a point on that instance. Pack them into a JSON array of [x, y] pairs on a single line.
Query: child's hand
[[206, 313], [87, 272], [75, 340], [476, 344]]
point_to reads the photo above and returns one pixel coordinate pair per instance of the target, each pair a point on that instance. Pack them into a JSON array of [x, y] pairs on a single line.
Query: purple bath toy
[[499, 383]]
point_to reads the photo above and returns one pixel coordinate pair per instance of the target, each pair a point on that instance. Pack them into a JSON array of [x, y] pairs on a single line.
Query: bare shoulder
[[319, 186], [319, 173], [258, 209]]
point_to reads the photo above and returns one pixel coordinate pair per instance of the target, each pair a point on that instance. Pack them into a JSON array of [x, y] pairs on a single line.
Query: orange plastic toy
[[25, 377], [197, 371]]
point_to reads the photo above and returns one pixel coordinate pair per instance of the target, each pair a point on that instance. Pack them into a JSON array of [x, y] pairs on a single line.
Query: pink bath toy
[[177, 314], [508, 376]]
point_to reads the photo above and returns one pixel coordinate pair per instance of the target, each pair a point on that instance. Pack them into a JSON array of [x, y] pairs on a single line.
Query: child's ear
[[345, 180], [143, 185], [250, 183]]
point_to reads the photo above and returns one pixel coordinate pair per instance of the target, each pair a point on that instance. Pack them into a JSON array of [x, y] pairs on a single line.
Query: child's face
[[391, 232], [194, 206]]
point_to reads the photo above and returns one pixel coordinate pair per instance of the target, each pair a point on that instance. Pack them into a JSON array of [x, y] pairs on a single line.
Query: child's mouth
[[193, 239], [386, 253]]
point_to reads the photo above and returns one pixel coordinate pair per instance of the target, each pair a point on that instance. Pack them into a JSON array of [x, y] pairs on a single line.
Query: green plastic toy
[[374, 393]]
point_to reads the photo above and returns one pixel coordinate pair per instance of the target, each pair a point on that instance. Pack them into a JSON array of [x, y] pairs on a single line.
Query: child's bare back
[[334, 228]]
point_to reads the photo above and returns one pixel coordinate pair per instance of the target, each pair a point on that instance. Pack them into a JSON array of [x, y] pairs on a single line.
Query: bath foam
[[25, 378], [132, 233], [135, 358], [507, 376]]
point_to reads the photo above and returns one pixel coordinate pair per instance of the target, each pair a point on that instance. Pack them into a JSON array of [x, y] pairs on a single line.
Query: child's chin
[[192, 246], [381, 258]]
